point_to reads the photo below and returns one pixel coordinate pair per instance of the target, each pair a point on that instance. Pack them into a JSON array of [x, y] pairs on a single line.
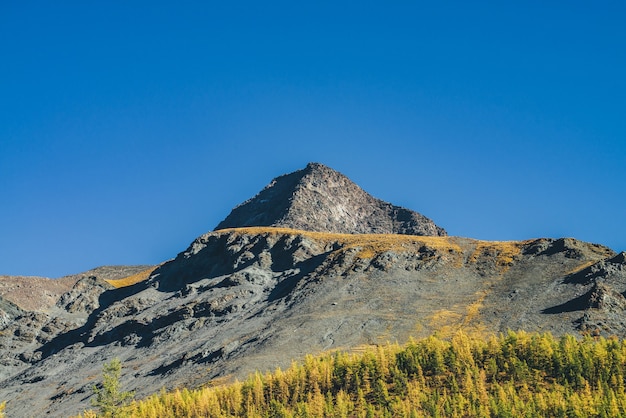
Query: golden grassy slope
[[131, 280], [369, 244], [504, 251]]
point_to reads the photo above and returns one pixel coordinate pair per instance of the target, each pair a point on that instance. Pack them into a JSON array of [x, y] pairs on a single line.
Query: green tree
[[109, 398]]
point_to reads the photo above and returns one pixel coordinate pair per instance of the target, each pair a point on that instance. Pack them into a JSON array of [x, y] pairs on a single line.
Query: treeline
[[513, 375]]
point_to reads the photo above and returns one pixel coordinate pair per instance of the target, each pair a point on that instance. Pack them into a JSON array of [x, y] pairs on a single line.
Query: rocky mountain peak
[[318, 198]]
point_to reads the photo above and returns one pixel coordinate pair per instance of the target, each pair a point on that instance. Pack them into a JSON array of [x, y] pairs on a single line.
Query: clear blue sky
[[128, 128]]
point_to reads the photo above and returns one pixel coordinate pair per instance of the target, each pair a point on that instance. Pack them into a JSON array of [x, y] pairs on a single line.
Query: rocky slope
[[41, 293], [35, 310], [318, 198], [34, 293], [257, 298]]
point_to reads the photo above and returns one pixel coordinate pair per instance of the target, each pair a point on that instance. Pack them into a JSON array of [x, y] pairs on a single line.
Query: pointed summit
[[318, 198]]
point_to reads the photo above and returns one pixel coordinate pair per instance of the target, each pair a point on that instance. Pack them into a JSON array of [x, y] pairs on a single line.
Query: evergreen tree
[[109, 398]]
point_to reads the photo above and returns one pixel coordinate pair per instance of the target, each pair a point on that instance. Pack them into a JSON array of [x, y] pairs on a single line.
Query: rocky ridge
[[34, 293], [41, 293]]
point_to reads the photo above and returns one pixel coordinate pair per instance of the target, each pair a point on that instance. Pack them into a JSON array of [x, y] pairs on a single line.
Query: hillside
[[42, 293], [256, 298], [514, 375], [33, 293], [34, 310]]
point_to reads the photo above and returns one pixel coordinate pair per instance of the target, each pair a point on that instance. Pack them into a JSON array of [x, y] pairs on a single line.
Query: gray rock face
[[84, 295], [8, 312], [319, 198], [23, 332]]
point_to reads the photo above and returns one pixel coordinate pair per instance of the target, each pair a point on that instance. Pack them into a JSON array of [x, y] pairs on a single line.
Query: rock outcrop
[[319, 198], [8, 312]]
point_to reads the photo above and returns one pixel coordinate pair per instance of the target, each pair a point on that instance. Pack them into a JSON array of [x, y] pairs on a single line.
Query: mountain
[[318, 198], [256, 298]]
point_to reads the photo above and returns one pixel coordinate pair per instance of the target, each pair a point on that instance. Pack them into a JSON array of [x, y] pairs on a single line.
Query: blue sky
[[129, 128]]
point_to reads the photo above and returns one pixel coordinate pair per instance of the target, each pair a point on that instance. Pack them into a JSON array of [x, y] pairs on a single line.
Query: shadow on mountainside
[[287, 260], [105, 300], [215, 259], [577, 304], [285, 266], [614, 266]]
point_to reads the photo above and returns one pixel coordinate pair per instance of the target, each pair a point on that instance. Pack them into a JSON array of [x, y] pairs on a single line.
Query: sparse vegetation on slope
[[367, 242], [517, 374], [504, 251], [132, 279]]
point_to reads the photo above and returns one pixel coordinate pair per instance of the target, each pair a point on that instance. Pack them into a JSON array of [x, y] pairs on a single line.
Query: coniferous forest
[[514, 375]]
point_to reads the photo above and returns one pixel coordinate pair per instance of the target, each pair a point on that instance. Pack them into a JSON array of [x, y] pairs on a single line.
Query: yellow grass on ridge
[[505, 251], [369, 244], [581, 267], [131, 280]]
